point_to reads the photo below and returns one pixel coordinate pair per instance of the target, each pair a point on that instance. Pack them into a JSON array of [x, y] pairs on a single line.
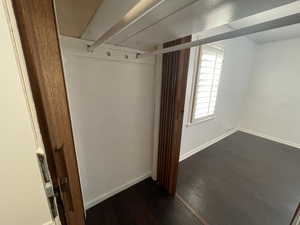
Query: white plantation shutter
[[207, 79]]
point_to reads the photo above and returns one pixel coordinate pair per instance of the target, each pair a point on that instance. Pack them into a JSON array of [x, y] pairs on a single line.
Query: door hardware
[[59, 149], [65, 189]]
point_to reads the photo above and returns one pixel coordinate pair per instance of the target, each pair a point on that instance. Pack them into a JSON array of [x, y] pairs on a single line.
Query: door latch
[[49, 190]]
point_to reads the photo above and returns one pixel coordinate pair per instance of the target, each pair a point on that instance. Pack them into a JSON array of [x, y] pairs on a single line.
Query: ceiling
[[74, 16], [282, 33], [172, 19]]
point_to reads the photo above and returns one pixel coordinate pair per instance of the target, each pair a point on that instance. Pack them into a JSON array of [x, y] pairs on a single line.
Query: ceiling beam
[[141, 9], [269, 25]]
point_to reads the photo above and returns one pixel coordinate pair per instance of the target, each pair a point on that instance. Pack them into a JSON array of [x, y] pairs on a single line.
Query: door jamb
[[24, 80], [36, 102]]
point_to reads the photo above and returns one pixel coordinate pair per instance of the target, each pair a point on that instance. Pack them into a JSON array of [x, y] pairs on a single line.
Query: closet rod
[[269, 25], [141, 9]]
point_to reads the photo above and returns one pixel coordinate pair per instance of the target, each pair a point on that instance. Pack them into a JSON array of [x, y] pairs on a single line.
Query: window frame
[[196, 67]]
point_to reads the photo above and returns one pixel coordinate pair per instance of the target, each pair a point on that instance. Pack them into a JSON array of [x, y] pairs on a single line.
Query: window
[[206, 82]]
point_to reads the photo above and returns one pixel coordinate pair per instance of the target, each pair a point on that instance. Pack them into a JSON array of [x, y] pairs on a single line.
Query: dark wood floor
[[242, 180], [142, 204]]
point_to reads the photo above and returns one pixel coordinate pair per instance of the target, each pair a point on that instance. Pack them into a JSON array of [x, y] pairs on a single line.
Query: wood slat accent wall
[[174, 78]]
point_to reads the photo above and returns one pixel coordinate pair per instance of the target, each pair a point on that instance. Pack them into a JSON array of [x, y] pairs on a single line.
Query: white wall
[[238, 58], [273, 103], [22, 198], [112, 105]]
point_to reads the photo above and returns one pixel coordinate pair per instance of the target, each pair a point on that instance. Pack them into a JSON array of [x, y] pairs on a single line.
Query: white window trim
[[191, 121], [201, 120]]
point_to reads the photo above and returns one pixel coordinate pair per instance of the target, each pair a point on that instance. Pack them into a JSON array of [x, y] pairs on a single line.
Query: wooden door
[[174, 78], [39, 38]]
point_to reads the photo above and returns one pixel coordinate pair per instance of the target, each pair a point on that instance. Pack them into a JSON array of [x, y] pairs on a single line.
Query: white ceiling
[[283, 33], [173, 19], [200, 16], [110, 12]]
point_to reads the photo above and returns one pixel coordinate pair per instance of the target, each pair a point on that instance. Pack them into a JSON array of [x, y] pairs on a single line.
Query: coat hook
[[108, 53], [126, 56], [88, 49]]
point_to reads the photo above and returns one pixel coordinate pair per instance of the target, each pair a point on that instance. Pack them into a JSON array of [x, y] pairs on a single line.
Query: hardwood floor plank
[[143, 204], [242, 179]]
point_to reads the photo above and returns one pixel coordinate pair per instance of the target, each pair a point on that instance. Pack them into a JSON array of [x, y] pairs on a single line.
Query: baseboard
[[205, 145], [50, 223], [269, 137], [115, 191]]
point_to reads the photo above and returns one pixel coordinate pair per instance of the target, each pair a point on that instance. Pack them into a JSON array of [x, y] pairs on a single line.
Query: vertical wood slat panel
[[174, 77]]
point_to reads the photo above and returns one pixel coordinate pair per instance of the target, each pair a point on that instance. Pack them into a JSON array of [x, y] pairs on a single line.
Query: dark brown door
[[174, 78], [39, 38]]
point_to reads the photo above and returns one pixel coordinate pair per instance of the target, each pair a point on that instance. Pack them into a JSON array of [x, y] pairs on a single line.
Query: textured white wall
[[112, 106], [238, 58], [22, 198], [273, 99]]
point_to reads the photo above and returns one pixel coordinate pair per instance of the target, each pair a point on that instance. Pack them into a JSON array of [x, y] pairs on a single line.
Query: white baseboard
[[269, 137], [50, 223], [205, 145], [115, 191]]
